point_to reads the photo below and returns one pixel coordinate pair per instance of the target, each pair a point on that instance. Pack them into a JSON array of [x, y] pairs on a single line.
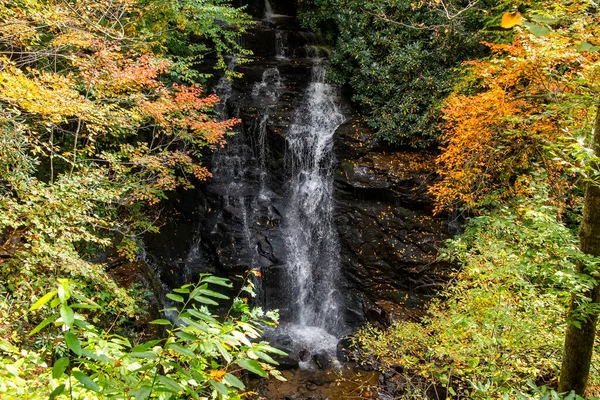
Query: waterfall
[[269, 205], [267, 92], [269, 14], [281, 45], [312, 271]]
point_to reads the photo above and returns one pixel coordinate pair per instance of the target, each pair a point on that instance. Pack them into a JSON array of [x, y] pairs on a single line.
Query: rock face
[[388, 238], [388, 234]]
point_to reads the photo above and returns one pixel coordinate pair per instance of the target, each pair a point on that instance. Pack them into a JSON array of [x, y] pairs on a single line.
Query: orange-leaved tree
[[535, 114], [519, 103]]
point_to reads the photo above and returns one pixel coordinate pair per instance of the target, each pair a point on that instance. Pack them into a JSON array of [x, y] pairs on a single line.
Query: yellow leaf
[[217, 374], [510, 20]]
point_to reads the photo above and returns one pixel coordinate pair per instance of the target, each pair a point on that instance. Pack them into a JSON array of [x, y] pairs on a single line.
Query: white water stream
[[313, 264]]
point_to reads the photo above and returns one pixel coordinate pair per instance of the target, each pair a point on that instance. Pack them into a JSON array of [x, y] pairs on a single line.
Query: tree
[[579, 339], [399, 58], [544, 87], [101, 114]]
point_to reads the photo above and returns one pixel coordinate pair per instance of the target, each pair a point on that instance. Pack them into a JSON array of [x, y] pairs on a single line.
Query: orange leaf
[[510, 20]]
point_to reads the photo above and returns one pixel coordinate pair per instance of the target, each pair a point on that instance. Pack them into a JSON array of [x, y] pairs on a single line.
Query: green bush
[[500, 325], [400, 58], [201, 356]]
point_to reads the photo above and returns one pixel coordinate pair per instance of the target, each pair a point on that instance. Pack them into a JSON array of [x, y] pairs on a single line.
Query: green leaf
[[200, 326], [67, 314], [57, 392], [161, 322], [43, 300], [142, 393], [143, 354], [233, 381], [201, 315], [59, 367], [43, 324], [186, 336], [252, 366], [265, 357], [537, 30], [212, 293], [585, 46], [82, 324], [175, 297], [217, 281], [205, 300], [86, 306], [89, 354], [170, 384], [542, 19], [181, 350], [146, 346], [273, 350], [72, 343], [63, 291], [228, 357], [86, 381], [219, 387]]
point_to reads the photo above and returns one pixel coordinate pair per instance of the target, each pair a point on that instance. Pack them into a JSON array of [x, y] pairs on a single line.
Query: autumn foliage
[[101, 114], [515, 107]]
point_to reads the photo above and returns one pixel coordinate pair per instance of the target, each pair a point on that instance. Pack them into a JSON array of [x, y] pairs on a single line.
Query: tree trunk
[[579, 342]]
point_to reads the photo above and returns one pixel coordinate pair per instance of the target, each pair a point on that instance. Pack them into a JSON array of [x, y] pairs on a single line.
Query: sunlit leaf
[[72, 343], [161, 322], [59, 367], [43, 300], [43, 324], [57, 392], [510, 20], [585, 46], [86, 381], [252, 366], [233, 380]]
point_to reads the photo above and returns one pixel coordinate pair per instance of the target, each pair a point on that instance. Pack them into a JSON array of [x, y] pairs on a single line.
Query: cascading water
[[311, 240], [269, 205], [312, 270], [267, 91], [269, 14]]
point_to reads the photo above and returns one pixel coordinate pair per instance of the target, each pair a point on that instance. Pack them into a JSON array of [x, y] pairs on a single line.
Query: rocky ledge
[[388, 232]]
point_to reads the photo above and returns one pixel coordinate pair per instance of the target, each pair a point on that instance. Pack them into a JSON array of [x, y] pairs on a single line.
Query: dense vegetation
[[516, 156], [102, 113], [400, 58]]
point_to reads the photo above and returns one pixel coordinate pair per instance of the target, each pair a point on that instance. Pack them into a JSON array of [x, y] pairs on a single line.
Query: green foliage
[[400, 58], [100, 117], [501, 323], [200, 357]]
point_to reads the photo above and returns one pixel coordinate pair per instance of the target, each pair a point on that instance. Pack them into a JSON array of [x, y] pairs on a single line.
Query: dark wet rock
[[283, 339], [304, 355], [384, 396], [388, 234], [377, 316], [321, 380], [322, 360], [287, 362], [343, 349]]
